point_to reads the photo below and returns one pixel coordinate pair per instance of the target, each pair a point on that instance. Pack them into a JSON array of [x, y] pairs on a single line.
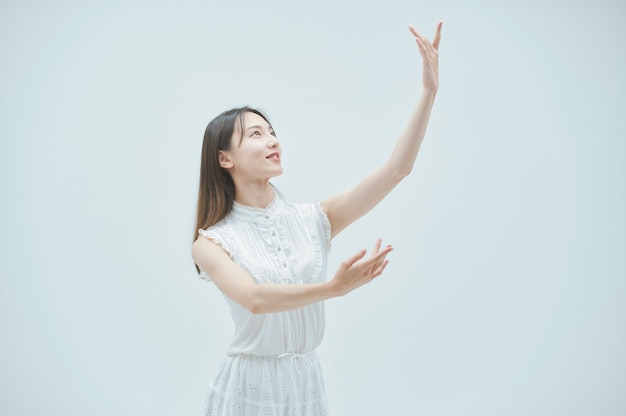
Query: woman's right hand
[[355, 272], [430, 57]]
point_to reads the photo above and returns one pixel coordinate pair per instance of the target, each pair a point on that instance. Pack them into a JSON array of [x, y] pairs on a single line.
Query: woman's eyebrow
[[260, 127]]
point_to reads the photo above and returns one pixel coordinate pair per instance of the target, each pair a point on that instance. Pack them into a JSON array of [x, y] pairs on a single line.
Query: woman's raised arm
[[345, 208]]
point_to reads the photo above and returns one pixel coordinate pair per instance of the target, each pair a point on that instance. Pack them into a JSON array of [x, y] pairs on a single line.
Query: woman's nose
[[273, 142]]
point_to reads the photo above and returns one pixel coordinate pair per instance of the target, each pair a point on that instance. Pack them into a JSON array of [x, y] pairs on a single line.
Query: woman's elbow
[[404, 173], [400, 173], [255, 308], [397, 171], [254, 304]]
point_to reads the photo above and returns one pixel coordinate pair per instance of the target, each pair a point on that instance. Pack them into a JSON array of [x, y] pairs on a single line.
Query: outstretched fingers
[[378, 254], [422, 41], [379, 241], [437, 38], [371, 263], [356, 257], [376, 260], [377, 268], [357, 270]]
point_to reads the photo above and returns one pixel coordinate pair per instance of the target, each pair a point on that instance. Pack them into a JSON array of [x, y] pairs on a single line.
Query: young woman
[[268, 255]]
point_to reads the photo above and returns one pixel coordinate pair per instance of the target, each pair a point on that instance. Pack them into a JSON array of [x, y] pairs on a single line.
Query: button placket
[[284, 264], [279, 254]]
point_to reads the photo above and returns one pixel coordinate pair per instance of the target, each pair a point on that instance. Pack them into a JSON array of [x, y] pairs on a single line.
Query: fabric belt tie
[[295, 357]]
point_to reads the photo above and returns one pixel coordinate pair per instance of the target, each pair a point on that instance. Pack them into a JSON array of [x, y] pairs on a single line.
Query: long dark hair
[[217, 189]]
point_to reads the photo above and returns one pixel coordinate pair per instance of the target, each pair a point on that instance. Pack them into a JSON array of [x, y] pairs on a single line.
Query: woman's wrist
[[332, 289]]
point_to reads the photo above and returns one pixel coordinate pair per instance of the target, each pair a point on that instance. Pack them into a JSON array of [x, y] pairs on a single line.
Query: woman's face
[[255, 154]]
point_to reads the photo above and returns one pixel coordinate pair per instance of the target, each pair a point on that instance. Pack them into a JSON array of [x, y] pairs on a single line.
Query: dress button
[[273, 233], [290, 281], [267, 217], [284, 264], [279, 249]]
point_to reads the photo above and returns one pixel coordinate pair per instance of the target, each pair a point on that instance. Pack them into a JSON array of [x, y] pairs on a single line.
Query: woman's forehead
[[253, 119]]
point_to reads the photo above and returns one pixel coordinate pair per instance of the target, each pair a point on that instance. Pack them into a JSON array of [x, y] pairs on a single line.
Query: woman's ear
[[225, 160]]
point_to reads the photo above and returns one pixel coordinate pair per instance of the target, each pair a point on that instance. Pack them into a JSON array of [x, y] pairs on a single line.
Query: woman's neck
[[254, 195]]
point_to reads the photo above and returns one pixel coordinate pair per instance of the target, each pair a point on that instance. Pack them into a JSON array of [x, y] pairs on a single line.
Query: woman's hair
[[217, 189]]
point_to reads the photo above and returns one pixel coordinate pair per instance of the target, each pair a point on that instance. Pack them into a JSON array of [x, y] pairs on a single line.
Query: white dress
[[272, 367]]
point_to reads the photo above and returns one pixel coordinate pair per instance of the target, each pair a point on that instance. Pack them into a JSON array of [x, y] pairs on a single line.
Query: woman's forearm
[[407, 147], [274, 297]]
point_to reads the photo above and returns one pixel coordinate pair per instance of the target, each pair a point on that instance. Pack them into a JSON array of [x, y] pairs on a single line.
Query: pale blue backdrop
[[506, 294]]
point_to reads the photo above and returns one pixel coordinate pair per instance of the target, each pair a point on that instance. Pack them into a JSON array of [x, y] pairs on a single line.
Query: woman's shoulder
[[311, 208], [218, 234], [300, 206], [216, 230]]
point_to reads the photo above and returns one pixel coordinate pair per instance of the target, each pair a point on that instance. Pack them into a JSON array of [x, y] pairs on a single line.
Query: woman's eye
[[257, 133]]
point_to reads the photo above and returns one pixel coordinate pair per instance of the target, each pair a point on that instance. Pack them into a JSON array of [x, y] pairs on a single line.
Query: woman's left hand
[[430, 57]]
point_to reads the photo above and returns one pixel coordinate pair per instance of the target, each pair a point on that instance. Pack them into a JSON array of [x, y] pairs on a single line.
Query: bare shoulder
[[207, 253], [324, 204]]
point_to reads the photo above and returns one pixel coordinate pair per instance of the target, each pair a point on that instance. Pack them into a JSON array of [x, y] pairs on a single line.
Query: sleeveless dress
[[272, 368]]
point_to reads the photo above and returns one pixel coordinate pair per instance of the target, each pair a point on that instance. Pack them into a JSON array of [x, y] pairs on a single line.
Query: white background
[[506, 294]]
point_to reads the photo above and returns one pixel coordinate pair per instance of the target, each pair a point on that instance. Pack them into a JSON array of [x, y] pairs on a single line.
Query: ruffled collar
[[256, 214]]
